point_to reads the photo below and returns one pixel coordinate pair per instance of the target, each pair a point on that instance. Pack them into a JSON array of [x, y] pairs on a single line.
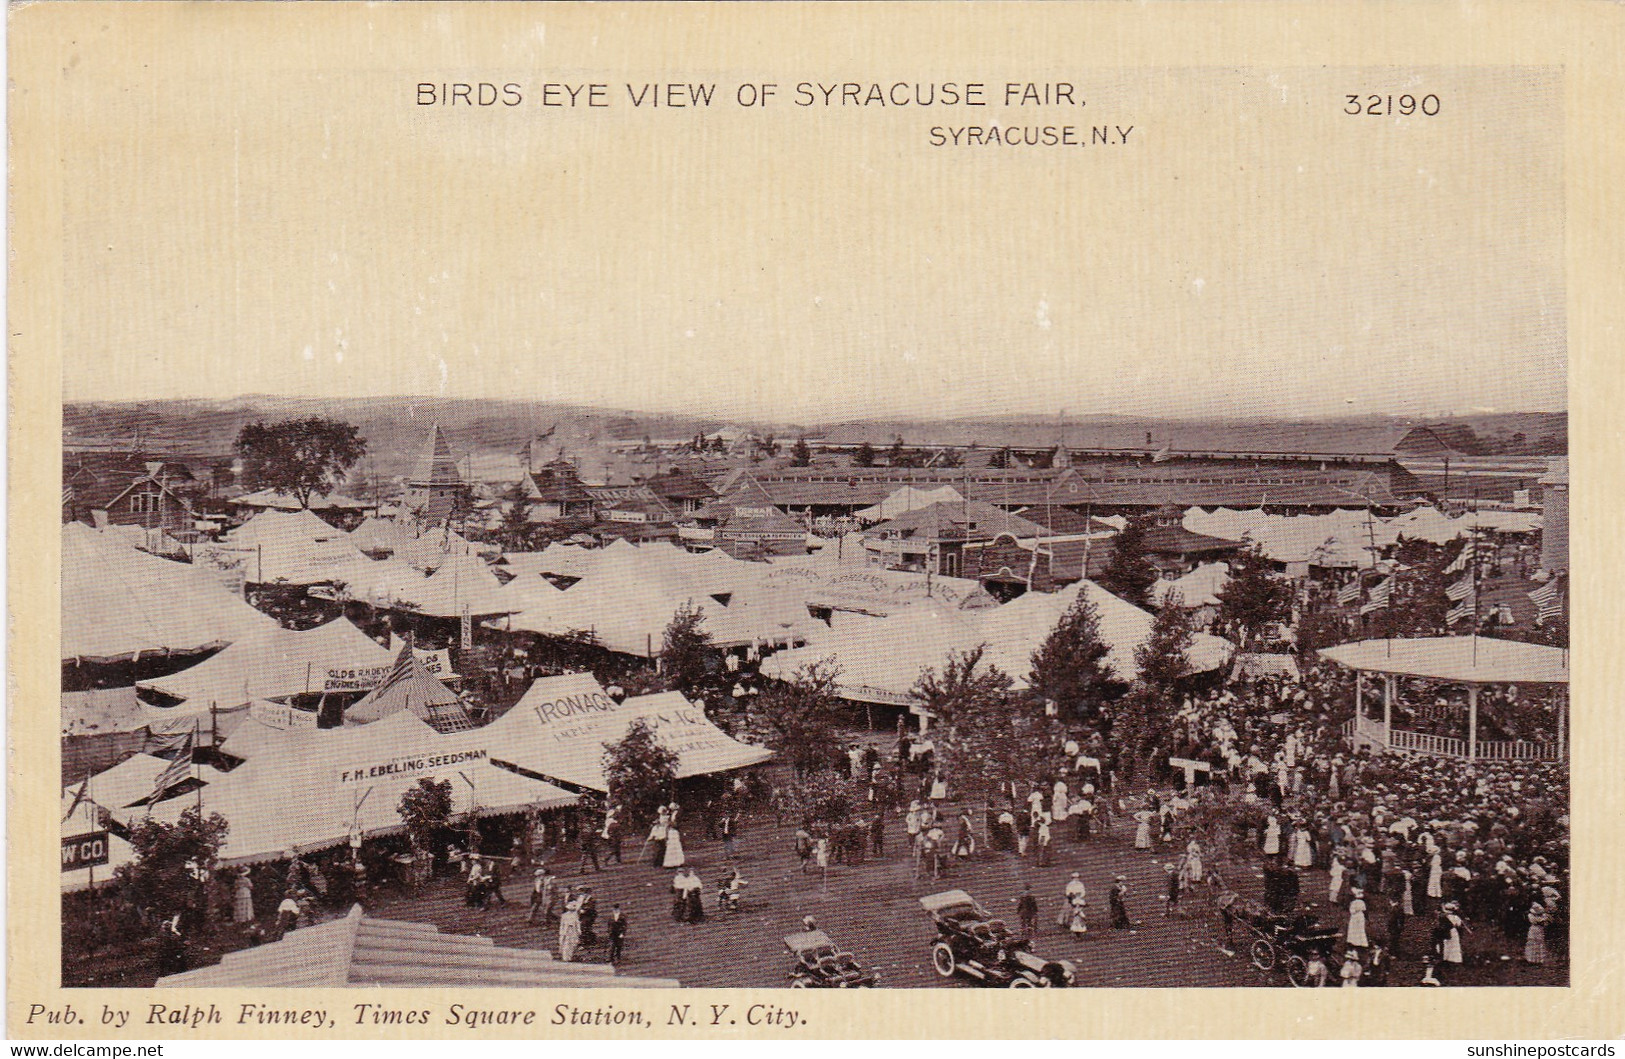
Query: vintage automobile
[[1292, 943], [820, 965], [972, 943]]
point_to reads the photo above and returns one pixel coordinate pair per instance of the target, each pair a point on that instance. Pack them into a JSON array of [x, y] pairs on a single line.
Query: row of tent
[[1349, 539], [304, 789]]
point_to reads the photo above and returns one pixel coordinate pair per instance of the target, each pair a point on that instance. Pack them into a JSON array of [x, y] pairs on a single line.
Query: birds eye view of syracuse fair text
[[532, 524]]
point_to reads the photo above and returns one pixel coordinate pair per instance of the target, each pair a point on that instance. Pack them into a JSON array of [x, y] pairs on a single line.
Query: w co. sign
[[84, 851]]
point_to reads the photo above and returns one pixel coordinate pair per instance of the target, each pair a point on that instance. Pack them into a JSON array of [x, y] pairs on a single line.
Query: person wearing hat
[[1447, 935], [1117, 898], [1534, 946], [616, 930], [1352, 969], [1355, 935], [1170, 901], [1074, 899], [541, 895], [1027, 911]]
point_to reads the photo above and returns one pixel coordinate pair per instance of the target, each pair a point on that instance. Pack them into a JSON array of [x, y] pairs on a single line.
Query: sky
[[246, 218]]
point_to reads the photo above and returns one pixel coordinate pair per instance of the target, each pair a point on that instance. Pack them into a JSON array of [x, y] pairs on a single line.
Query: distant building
[[556, 492], [1554, 537], [129, 489], [436, 487]]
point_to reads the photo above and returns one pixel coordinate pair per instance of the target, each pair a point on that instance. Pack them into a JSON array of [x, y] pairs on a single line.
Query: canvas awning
[[274, 663], [560, 727], [1459, 659], [310, 788]]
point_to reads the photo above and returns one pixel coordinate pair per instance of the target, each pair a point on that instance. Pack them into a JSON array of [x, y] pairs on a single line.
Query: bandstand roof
[[1462, 659]]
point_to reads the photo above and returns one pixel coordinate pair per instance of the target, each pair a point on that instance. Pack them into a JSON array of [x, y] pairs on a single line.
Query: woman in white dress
[[1355, 936], [1534, 949], [1303, 850], [1193, 863], [570, 931], [1334, 881], [1450, 934], [1142, 829], [674, 849], [1272, 837], [1436, 875]]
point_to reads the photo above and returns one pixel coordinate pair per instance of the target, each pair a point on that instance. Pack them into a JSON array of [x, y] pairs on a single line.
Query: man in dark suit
[[617, 933]]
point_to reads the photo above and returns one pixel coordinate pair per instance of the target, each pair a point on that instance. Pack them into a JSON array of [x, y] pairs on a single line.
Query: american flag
[[1461, 589], [1466, 608], [1463, 557], [1349, 594], [1548, 599], [1379, 596], [177, 770]]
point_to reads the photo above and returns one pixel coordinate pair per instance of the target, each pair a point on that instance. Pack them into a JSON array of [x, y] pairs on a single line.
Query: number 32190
[[1384, 106]]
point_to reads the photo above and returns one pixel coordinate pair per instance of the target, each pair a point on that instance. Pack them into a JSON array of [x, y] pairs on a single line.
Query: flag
[[1460, 590], [1467, 608], [176, 771], [1379, 596], [1463, 557], [1349, 594], [78, 798], [1548, 599], [1162, 454]]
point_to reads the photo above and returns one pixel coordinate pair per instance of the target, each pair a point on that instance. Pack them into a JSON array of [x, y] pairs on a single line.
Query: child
[[1171, 901]]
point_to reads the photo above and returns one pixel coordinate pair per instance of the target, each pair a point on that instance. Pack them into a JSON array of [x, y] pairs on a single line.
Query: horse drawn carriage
[[1296, 943]]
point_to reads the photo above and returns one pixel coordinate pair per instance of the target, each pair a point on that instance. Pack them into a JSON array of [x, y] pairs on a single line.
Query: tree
[[950, 458], [685, 650], [988, 737], [1069, 667], [897, 456], [173, 863], [1254, 595], [797, 718], [1164, 658], [1129, 573], [299, 457], [425, 809], [516, 517], [864, 456], [639, 770], [800, 454]]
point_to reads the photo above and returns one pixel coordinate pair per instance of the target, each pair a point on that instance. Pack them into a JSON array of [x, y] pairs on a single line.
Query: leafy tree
[[797, 718], [425, 809], [1129, 573], [299, 457], [897, 455], [639, 769], [864, 456], [1254, 596], [800, 454], [1164, 658], [988, 737], [1000, 460], [950, 458], [823, 798], [685, 650], [516, 519], [1046, 460], [1069, 667], [173, 863]]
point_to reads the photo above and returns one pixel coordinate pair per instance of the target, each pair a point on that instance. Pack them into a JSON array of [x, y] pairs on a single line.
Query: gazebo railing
[[1518, 750], [1428, 744]]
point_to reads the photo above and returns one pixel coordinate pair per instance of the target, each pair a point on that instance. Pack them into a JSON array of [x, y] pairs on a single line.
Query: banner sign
[[275, 715], [436, 662], [564, 707], [466, 630], [413, 766], [84, 851], [356, 678]]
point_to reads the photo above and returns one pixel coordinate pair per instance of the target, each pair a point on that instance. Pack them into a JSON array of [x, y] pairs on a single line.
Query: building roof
[[558, 483], [359, 950], [963, 520], [1461, 659], [436, 465], [1177, 540], [678, 484]]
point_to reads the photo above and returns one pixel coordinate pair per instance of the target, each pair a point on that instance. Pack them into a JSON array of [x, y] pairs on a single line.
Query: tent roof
[[1199, 588], [360, 950], [131, 781], [560, 727], [1462, 659], [118, 602], [296, 548], [410, 687], [101, 711], [272, 663], [309, 788]]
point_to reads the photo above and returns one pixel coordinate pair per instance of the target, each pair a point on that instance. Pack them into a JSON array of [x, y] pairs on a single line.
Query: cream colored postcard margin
[[309, 42]]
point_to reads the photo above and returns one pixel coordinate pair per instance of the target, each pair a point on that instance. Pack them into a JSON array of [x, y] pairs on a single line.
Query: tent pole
[[1472, 721]]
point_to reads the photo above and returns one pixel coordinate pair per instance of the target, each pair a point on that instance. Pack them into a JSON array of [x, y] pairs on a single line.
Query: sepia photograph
[[535, 515]]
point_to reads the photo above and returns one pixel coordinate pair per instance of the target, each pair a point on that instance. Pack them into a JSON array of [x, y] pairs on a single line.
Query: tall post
[[1472, 721], [1359, 696], [1562, 724], [1388, 711]]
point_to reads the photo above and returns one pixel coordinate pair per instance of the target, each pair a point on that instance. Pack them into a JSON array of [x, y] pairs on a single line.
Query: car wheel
[[800, 983], [1297, 971], [1263, 955], [1019, 982], [942, 959]]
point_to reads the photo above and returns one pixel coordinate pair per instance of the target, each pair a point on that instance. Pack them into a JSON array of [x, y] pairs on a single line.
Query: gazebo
[[1470, 661]]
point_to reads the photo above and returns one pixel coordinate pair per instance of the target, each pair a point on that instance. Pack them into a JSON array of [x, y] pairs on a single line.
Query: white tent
[[311, 789], [296, 548], [906, 499], [880, 659], [561, 727], [461, 583], [118, 602], [274, 663], [1199, 588]]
